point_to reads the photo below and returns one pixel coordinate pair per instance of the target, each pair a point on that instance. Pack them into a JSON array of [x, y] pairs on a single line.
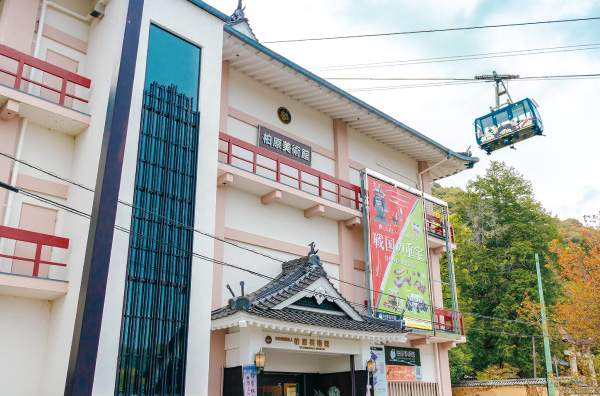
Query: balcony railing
[[19, 74], [401, 388], [262, 162], [444, 320], [39, 240]]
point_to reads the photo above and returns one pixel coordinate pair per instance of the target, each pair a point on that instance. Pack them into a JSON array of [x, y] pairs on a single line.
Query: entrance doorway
[[282, 385]]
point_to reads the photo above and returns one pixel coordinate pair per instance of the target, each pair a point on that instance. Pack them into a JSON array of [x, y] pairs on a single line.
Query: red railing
[[435, 225], [37, 238], [254, 159], [27, 60], [444, 320]]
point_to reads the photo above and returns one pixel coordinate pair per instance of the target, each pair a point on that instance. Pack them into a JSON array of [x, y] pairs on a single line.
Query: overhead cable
[[458, 79], [432, 30], [455, 58], [172, 222], [267, 277]]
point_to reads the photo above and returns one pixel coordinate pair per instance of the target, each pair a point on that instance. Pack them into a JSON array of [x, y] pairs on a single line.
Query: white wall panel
[[245, 212], [428, 363], [23, 332], [369, 152], [262, 102]]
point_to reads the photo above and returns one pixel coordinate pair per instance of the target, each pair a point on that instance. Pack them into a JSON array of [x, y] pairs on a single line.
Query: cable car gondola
[[507, 125]]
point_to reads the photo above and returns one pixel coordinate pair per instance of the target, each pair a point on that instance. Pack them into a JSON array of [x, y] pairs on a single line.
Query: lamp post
[[370, 372], [371, 366], [259, 361]]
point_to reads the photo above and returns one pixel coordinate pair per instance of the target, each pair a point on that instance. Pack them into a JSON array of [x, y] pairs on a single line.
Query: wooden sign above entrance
[[302, 342], [283, 145], [310, 343]]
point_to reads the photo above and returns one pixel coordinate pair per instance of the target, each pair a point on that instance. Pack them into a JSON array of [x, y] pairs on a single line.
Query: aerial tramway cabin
[[170, 176]]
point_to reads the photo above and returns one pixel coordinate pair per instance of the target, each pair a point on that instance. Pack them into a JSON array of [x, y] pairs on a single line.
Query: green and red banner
[[398, 260]]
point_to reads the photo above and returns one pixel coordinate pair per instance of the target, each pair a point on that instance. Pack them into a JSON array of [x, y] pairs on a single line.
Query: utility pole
[[547, 358], [534, 358]]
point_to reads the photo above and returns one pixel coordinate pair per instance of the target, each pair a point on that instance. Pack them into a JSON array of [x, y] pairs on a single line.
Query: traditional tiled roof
[[506, 382], [296, 276]]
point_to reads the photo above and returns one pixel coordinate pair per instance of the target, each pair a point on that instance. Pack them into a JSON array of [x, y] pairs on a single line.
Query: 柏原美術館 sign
[[284, 146]]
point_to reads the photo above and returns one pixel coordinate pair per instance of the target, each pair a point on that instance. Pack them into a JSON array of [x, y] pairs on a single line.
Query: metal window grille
[[154, 329]]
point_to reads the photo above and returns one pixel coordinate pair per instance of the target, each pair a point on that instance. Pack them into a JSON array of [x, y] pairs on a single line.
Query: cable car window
[[528, 109], [478, 127], [535, 111], [502, 117], [518, 113], [487, 122]]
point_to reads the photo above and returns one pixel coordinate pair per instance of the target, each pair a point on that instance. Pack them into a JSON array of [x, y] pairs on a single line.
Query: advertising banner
[[403, 364], [249, 380], [397, 254], [380, 387]]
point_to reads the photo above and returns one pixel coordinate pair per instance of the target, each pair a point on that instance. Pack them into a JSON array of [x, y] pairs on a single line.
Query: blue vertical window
[[173, 61], [154, 329]]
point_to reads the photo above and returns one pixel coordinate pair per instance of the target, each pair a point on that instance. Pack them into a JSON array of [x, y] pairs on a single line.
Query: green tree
[[571, 230], [460, 358], [499, 227], [450, 195]]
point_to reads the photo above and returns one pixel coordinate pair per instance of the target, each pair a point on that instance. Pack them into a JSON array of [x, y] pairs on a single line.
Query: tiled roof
[[506, 382], [295, 277]]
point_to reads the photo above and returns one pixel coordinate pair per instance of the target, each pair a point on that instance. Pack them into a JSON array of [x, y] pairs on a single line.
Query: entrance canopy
[[302, 300]]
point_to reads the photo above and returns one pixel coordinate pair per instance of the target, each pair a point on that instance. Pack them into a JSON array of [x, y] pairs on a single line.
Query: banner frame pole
[[367, 239], [428, 263]]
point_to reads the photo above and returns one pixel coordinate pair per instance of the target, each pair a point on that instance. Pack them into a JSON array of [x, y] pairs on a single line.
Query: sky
[[562, 166]]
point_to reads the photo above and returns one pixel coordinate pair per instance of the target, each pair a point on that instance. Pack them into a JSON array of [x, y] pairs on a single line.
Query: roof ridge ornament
[[312, 249], [238, 14], [313, 258]]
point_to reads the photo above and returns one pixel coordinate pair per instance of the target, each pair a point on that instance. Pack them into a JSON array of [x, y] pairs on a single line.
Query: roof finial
[[312, 249], [238, 14]]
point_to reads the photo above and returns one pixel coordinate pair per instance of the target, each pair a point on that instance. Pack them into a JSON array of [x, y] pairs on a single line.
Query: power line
[[456, 79], [172, 222], [431, 30], [455, 58], [399, 78], [261, 275], [408, 86], [440, 84]]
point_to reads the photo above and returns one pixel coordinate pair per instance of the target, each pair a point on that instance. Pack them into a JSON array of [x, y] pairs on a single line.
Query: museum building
[[186, 211]]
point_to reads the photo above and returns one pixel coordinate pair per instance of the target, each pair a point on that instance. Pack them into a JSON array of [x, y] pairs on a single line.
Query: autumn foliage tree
[[576, 317], [578, 266]]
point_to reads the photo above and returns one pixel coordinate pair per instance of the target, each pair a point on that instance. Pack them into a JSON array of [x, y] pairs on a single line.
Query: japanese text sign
[[403, 364], [283, 145], [398, 258], [379, 376], [249, 380]]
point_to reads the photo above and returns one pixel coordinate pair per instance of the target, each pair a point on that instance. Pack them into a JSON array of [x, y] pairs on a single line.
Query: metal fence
[[412, 388]]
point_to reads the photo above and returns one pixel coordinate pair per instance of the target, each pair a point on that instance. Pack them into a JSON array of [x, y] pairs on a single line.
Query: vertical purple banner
[[249, 380]]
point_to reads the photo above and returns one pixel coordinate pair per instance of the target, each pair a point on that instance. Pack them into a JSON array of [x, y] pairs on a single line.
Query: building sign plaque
[[283, 145], [300, 342], [403, 364]]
